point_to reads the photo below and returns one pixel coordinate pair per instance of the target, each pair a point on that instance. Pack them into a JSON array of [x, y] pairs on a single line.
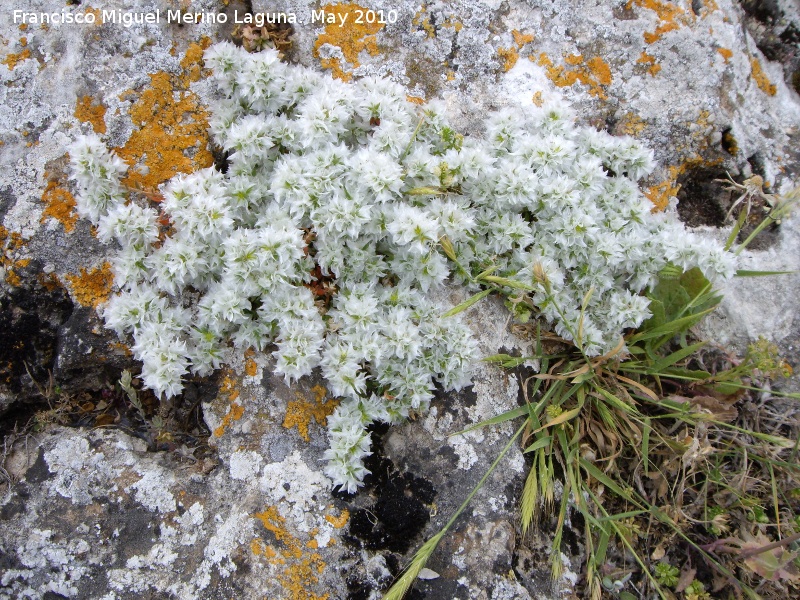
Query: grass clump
[[679, 459]]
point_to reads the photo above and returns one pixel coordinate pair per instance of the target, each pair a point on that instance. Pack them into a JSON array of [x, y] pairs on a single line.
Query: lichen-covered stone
[[710, 86]]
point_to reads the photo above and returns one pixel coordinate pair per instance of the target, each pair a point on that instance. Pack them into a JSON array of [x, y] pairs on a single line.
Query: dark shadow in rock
[[30, 316], [401, 507], [701, 199]]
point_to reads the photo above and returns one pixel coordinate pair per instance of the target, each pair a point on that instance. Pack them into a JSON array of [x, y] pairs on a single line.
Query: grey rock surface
[[710, 85]]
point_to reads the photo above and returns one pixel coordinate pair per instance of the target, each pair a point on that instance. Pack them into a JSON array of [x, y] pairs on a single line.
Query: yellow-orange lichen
[[172, 127], [59, 204], [725, 53], [87, 111], [631, 124], [340, 521], [510, 55], [300, 570], [92, 287], [297, 577], [12, 59], [422, 20], [228, 389], [649, 59], [272, 521], [250, 367], [670, 16], [49, 281], [351, 38], [594, 73], [662, 193], [234, 414], [11, 242], [301, 412], [761, 79]]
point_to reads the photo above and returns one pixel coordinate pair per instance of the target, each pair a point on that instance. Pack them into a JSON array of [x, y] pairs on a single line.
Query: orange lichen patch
[[662, 193], [594, 73], [96, 12], [631, 124], [451, 23], [415, 100], [122, 349], [50, 282], [92, 287], [172, 135], [351, 38], [11, 242], [59, 204], [192, 60], [23, 27], [88, 112], [23, 41], [296, 578], [256, 547], [340, 521], [538, 99], [761, 79], [313, 544], [510, 55], [274, 522], [250, 367], [11, 60], [228, 388], [423, 21], [653, 37], [648, 59], [670, 16], [726, 54], [234, 414], [300, 412]]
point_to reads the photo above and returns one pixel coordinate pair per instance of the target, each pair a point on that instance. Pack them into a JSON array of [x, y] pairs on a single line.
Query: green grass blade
[[542, 442], [746, 273], [671, 359], [671, 328], [406, 580], [512, 283], [467, 303]]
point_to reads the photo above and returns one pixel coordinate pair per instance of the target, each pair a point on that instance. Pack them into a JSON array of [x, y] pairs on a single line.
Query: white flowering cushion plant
[[365, 189]]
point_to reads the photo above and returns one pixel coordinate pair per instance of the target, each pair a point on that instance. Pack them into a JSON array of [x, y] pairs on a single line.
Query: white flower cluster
[[357, 185]]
